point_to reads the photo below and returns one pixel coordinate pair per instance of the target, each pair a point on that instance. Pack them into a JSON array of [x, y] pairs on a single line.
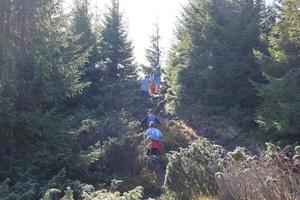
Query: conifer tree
[[115, 47], [153, 53], [215, 77], [82, 28], [41, 67], [116, 62], [279, 113]]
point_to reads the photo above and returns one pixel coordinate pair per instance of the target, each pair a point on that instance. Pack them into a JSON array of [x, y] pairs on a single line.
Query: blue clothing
[[144, 84], [157, 80], [157, 70], [151, 118], [154, 134]]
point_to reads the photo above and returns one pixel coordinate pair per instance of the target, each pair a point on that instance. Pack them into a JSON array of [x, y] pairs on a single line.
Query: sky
[[140, 16]]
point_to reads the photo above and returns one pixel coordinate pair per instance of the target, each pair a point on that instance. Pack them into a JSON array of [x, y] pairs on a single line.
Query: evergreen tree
[[215, 77], [82, 28], [40, 67], [116, 62], [153, 53], [115, 48], [279, 113]]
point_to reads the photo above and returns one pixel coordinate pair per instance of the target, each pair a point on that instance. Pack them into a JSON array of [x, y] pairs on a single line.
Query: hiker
[[157, 78], [155, 135], [149, 118], [144, 86], [152, 86], [157, 81]]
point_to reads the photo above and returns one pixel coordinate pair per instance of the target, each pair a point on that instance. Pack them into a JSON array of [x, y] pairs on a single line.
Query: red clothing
[[152, 88], [156, 145]]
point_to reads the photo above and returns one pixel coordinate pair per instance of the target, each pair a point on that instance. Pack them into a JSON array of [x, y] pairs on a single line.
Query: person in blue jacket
[[149, 118], [155, 135], [145, 87]]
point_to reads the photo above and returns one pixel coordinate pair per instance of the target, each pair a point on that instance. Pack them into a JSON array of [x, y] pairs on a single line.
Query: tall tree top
[[115, 47], [153, 53]]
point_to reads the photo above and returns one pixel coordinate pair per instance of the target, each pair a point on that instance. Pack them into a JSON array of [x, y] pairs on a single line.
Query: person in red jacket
[[152, 87], [155, 135]]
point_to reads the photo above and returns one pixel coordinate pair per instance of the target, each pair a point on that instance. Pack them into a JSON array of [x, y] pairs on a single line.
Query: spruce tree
[[82, 28], [116, 62], [279, 114], [153, 53], [40, 65], [116, 50], [218, 37]]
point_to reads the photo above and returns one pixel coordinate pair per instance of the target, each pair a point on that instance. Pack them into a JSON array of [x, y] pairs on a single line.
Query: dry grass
[[241, 176], [179, 127], [271, 176], [177, 135]]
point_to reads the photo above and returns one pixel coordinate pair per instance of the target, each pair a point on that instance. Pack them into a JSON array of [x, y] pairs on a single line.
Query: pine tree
[[40, 65], [82, 28], [279, 113], [116, 62], [153, 53], [116, 50], [215, 78]]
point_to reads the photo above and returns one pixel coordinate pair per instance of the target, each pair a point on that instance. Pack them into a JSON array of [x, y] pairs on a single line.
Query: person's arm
[[160, 133], [147, 133]]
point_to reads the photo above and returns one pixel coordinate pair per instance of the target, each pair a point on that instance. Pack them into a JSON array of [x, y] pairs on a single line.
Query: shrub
[[114, 124], [271, 176], [190, 172], [177, 135], [116, 157]]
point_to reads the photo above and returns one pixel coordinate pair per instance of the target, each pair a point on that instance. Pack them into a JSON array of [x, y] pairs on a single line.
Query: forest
[[71, 108]]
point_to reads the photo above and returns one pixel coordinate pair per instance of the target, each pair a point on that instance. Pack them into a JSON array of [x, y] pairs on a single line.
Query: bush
[[190, 172], [114, 124], [271, 176], [177, 135], [116, 157]]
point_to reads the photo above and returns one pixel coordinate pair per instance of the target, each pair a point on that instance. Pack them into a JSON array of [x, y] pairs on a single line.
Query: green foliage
[[279, 112], [41, 68], [56, 73], [82, 28], [114, 124], [190, 172], [154, 52], [68, 194], [116, 51], [117, 157], [212, 62], [53, 190], [135, 194]]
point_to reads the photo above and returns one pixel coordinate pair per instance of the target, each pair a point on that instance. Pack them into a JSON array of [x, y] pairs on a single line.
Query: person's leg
[[149, 152], [157, 152]]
